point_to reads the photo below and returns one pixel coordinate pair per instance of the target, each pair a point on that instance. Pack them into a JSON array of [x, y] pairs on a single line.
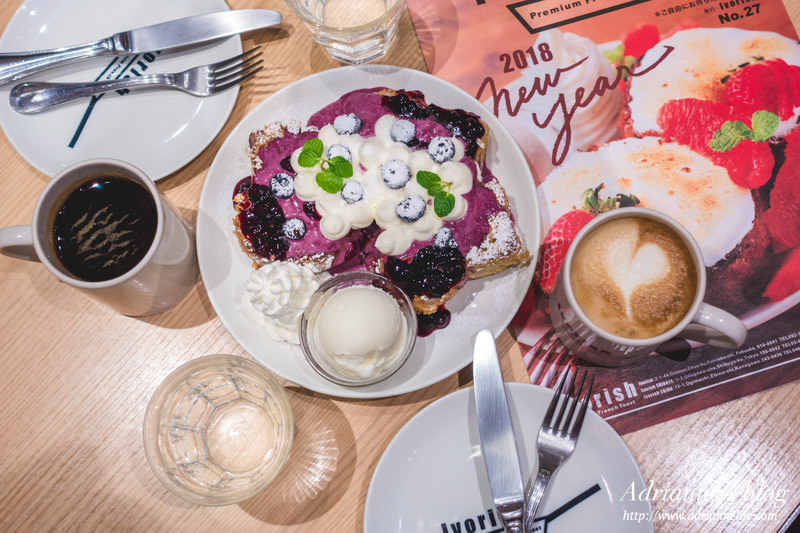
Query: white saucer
[[489, 302], [158, 131], [432, 476]]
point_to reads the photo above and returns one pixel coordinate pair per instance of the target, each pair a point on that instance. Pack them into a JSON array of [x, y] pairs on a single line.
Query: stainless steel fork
[[557, 436], [205, 80]]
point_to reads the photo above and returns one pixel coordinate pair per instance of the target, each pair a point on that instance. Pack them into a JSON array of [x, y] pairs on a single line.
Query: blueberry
[[395, 173], [294, 229], [441, 149], [411, 208], [403, 131], [281, 185], [444, 239], [347, 124], [352, 191], [339, 150]]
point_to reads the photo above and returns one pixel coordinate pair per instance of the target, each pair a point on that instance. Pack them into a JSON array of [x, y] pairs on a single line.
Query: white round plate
[[157, 130], [486, 303], [432, 476]]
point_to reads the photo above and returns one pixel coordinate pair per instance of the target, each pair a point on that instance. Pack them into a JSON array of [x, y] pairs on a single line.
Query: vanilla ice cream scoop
[[358, 328]]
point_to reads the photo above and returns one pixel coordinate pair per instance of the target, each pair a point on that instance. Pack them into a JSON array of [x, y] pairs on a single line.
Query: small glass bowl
[[218, 430], [314, 354]]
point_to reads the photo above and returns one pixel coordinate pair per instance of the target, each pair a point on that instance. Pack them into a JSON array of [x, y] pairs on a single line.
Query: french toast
[[420, 205]]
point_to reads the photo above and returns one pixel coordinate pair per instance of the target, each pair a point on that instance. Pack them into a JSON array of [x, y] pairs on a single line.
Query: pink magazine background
[[462, 44]]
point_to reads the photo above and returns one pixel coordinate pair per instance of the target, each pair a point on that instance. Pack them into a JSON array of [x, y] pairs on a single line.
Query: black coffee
[[104, 227]]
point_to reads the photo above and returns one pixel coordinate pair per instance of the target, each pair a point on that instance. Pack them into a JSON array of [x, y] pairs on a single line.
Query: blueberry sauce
[[310, 209], [261, 222], [460, 123], [433, 272], [242, 186], [286, 164], [427, 324]]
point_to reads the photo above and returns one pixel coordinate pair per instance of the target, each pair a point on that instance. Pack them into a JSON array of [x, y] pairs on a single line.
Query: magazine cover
[[685, 107]]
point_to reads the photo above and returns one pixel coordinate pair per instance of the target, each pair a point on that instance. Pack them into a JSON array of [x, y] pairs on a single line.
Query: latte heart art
[[632, 268], [633, 277]]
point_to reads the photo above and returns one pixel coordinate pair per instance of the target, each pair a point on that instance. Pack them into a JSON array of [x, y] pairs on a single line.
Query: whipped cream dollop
[[279, 292], [374, 195]]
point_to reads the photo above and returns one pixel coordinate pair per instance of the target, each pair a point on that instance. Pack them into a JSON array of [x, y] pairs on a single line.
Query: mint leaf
[[311, 153], [314, 146], [306, 159], [341, 167], [428, 179], [334, 171], [330, 182], [591, 198], [615, 54], [443, 203], [729, 135], [435, 189], [764, 125]]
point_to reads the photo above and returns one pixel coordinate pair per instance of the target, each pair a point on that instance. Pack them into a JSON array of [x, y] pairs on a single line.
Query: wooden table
[[76, 379]]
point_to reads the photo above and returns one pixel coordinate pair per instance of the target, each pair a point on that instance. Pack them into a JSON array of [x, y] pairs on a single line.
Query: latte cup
[[156, 282], [695, 320]]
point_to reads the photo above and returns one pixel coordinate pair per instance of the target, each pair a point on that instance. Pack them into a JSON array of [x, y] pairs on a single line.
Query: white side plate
[[432, 476], [157, 130]]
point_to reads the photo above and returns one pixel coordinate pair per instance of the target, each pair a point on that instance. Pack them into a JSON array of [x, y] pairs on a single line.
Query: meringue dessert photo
[[709, 138]]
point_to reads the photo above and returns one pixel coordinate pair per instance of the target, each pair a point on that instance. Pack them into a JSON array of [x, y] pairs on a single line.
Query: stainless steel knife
[[497, 434], [173, 34]]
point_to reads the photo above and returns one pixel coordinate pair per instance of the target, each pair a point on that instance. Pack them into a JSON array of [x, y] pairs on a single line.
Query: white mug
[[156, 283], [702, 322]]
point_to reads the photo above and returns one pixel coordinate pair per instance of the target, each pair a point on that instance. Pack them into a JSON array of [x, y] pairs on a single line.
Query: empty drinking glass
[[352, 31]]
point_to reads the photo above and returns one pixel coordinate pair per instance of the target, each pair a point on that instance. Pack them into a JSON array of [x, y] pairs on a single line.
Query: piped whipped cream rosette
[[596, 122], [384, 186], [343, 210], [277, 294]]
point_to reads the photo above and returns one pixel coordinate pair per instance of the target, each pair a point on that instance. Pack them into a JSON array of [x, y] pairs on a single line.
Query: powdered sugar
[[501, 241], [262, 137], [499, 193]]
